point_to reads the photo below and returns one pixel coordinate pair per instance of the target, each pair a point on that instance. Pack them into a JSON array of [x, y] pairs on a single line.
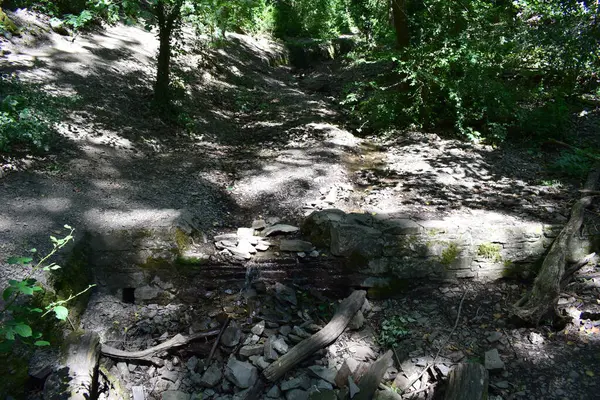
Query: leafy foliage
[[28, 116], [393, 330], [17, 317], [483, 70]]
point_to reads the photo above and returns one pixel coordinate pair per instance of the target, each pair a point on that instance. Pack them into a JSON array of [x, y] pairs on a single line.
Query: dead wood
[[370, 380], [147, 355], [467, 382], [325, 336], [81, 366], [216, 344], [546, 288]]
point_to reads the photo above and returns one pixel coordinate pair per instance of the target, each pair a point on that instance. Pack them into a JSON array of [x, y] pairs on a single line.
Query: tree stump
[[467, 382], [77, 380]]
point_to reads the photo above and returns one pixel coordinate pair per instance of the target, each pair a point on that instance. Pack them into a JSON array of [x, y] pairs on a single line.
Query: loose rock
[[240, 373]]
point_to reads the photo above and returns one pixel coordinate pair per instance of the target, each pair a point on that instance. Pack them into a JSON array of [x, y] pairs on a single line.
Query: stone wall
[[384, 248]]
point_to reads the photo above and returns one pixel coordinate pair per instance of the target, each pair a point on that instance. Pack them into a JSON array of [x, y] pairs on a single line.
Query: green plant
[[393, 330], [449, 254], [571, 164], [491, 251], [17, 315], [28, 116]]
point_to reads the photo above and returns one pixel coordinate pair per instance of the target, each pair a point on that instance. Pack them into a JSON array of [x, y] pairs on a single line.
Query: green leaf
[[68, 226], [19, 260], [34, 250], [61, 312], [23, 330], [41, 343], [7, 293], [55, 267]]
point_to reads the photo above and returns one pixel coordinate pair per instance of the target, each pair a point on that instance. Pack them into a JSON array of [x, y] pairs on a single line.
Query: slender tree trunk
[[167, 22], [400, 23], [161, 88]]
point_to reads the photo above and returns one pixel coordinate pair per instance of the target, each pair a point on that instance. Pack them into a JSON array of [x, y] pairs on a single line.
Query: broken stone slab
[[348, 368], [226, 236], [137, 393], [239, 255], [322, 394], [285, 294], [244, 233], [323, 373], [259, 328], [280, 345], [494, 337], [259, 361], [357, 321], [175, 395], [241, 374], [274, 392], [403, 226], [245, 246], [269, 351], [146, 293], [259, 224], [280, 228], [212, 376], [493, 362], [296, 246], [296, 394], [262, 246], [252, 350], [302, 381], [231, 335], [300, 332]]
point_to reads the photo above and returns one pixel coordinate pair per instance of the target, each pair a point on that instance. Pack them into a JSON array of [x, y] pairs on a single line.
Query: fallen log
[[543, 297], [467, 382], [147, 355], [325, 336]]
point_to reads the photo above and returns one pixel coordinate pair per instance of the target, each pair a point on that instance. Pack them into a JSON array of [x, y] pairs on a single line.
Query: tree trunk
[[168, 20], [546, 288], [161, 88], [400, 23]]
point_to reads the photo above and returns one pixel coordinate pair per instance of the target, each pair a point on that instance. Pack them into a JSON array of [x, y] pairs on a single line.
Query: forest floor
[[253, 141]]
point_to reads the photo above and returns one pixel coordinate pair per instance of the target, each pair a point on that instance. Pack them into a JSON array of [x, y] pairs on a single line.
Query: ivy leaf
[[19, 260], [41, 343], [23, 330], [61, 312]]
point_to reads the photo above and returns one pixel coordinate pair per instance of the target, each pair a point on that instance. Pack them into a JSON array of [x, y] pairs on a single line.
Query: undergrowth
[[28, 116]]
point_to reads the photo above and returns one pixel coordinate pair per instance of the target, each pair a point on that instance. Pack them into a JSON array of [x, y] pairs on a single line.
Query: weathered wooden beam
[[146, 355], [325, 336]]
